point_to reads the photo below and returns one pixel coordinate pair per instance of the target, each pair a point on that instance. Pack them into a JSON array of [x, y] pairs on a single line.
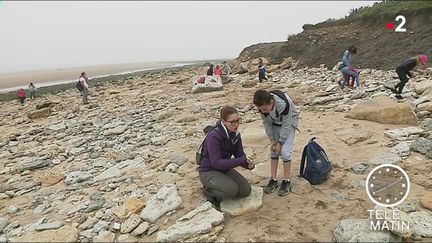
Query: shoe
[[399, 97], [271, 186], [393, 90], [285, 188], [213, 200]]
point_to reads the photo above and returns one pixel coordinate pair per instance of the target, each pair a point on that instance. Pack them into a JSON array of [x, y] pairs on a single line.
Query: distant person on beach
[[347, 68], [222, 152], [218, 71], [32, 89], [261, 71], [85, 84], [210, 70], [21, 94], [417, 62], [280, 118]]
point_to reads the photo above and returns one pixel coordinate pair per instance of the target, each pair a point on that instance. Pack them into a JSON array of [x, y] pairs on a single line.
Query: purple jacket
[[218, 151]]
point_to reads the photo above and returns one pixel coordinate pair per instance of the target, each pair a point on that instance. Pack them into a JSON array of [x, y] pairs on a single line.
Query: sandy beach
[[11, 81], [81, 166]]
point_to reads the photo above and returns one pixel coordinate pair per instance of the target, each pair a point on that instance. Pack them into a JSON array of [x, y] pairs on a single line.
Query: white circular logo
[[387, 185]]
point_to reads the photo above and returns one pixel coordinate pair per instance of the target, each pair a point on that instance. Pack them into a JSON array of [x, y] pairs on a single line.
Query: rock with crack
[[243, 205], [167, 199], [196, 222]]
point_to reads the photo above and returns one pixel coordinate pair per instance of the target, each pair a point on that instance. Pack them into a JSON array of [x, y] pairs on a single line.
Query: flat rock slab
[[167, 199], [357, 230], [243, 205], [198, 221]]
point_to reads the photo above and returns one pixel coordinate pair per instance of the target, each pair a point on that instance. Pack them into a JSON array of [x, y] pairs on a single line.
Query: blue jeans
[[347, 72]]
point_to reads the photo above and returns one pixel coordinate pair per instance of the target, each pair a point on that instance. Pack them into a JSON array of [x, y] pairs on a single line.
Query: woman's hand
[[251, 165]]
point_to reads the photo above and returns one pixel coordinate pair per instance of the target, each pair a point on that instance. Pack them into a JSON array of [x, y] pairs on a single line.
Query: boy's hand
[[278, 148]]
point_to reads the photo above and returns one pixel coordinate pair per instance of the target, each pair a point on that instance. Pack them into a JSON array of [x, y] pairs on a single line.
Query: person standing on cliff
[[32, 89], [261, 71], [85, 84]]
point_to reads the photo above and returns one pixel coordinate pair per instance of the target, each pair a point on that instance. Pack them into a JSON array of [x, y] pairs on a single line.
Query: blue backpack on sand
[[315, 165]]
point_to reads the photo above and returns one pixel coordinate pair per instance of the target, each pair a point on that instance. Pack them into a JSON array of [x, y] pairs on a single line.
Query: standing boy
[[280, 118]]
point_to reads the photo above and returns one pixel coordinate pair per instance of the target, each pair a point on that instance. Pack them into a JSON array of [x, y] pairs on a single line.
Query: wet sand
[[12, 81]]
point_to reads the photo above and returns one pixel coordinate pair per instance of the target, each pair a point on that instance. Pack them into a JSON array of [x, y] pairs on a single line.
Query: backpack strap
[[281, 95], [303, 161]]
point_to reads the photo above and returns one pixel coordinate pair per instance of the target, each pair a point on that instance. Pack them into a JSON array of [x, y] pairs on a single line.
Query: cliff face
[[378, 47]]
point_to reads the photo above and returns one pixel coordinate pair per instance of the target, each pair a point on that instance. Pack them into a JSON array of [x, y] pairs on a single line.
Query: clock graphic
[[387, 185]]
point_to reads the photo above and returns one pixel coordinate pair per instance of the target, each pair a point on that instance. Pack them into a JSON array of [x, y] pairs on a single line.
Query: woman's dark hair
[[227, 111], [83, 73], [262, 97], [352, 49]]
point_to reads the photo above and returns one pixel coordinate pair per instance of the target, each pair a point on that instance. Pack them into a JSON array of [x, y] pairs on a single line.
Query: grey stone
[[77, 177], [244, 205], [324, 100], [198, 221], [407, 207], [57, 128], [422, 223], [403, 134], [360, 168], [31, 165], [101, 225], [152, 229], [115, 131], [119, 169], [171, 168], [177, 159], [104, 236], [130, 224], [401, 149], [422, 145], [357, 230], [141, 229], [332, 87], [48, 226], [167, 199], [389, 158], [426, 124], [357, 95], [3, 224], [88, 224], [14, 209], [158, 141], [341, 196]]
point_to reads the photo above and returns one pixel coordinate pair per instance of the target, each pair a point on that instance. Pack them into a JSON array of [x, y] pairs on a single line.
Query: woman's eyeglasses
[[237, 122]]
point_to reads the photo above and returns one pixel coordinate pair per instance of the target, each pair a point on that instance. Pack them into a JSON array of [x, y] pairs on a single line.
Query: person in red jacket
[[21, 96]]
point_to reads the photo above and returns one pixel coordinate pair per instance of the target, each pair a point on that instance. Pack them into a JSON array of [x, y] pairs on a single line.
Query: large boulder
[[206, 84], [384, 110]]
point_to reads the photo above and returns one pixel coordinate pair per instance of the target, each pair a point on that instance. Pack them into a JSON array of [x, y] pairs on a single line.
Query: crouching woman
[[222, 152]]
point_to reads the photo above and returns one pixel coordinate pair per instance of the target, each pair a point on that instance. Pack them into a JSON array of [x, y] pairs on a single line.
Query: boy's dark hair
[[227, 111], [352, 49], [262, 97]]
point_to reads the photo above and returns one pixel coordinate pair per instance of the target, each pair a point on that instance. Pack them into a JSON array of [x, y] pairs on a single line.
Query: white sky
[[45, 35]]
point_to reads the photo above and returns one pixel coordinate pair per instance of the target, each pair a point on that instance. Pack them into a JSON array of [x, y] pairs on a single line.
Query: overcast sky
[[45, 35]]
